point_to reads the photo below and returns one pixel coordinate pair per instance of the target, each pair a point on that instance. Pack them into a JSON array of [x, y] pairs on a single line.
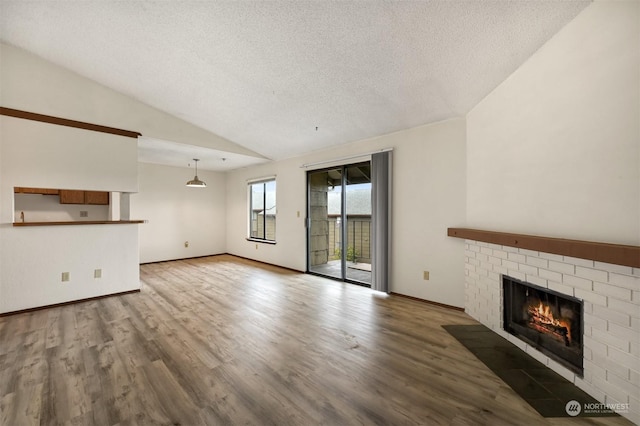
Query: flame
[[543, 314]]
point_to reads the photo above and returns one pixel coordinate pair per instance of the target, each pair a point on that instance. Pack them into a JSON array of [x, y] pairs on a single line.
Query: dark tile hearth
[[544, 389]]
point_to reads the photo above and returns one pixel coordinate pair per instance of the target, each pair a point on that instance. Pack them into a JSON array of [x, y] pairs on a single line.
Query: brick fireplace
[[610, 297]]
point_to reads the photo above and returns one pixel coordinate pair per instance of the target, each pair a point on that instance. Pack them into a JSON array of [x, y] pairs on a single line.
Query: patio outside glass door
[[339, 227]]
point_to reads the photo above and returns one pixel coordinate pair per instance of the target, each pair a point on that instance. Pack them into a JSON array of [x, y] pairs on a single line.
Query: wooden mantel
[[616, 254]]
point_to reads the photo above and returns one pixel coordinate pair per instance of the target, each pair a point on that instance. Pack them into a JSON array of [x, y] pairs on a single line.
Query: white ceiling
[[283, 78], [157, 151]]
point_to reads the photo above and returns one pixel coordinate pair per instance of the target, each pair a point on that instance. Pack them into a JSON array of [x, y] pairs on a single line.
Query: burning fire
[[542, 319]]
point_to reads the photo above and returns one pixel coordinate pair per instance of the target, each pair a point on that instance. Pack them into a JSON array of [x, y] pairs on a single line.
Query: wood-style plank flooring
[[226, 341]]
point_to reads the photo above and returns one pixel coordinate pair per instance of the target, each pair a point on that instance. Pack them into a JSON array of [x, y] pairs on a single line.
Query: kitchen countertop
[[79, 222]]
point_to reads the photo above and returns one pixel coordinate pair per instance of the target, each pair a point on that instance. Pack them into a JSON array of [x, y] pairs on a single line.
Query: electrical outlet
[[84, 213], [186, 244], [256, 247], [298, 213], [65, 276], [97, 273], [425, 275]]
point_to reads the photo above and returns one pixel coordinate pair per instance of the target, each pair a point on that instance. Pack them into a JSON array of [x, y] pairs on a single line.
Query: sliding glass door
[[357, 206], [339, 223], [324, 239]]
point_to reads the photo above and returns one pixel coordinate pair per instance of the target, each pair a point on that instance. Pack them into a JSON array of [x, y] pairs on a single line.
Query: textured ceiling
[[176, 154], [283, 78]]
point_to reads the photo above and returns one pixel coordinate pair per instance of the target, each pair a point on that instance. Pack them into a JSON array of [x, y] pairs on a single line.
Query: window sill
[[257, 240]]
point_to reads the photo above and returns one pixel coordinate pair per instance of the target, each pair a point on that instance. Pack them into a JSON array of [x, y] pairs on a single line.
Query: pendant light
[[196, 183]]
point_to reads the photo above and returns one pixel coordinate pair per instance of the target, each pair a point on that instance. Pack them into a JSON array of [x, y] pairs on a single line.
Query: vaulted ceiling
[[283, 78]]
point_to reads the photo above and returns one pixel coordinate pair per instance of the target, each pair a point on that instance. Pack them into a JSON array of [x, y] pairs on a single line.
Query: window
[[262, 210]]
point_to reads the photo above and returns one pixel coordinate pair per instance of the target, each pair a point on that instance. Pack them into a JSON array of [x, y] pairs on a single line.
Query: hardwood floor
[[223, 340]]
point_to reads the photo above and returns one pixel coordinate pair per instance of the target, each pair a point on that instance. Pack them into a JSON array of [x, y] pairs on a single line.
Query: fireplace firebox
[[549, 321]]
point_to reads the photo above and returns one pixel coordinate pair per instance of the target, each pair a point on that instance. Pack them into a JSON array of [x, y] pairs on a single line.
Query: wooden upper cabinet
[[96, 197], [43, 191], [68, 196]]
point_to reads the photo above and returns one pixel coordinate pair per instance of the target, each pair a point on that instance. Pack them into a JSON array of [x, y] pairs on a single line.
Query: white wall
[[177, 213], [47, 208], [42, 155], [429, 196], [3, 202], [35, 257], [554, 150]]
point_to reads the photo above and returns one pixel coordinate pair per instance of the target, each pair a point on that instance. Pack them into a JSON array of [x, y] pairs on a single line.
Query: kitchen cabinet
[[96, 197], [68, 196], [43, 191]]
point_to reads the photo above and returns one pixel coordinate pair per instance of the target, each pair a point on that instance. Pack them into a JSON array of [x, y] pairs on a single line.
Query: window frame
[[264, 237]]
